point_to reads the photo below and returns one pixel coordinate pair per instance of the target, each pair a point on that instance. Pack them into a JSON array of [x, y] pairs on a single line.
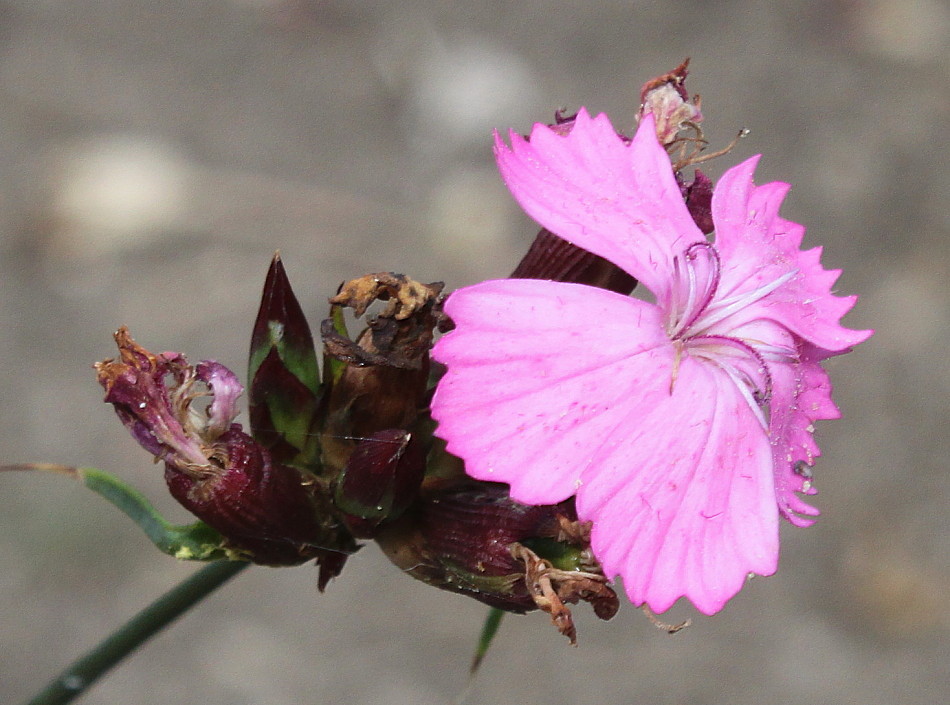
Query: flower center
[[694, 315], [695, 280]]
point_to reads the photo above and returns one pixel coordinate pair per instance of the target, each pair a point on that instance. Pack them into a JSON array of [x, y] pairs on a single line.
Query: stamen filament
[[721, 310], [712, 283], [759, 392], [684, 315]]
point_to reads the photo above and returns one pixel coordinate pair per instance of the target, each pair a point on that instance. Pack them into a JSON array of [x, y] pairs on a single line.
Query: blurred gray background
[[154, 155]]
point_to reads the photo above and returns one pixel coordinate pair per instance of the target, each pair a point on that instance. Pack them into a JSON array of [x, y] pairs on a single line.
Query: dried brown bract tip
[[405, 295], [551, 588]]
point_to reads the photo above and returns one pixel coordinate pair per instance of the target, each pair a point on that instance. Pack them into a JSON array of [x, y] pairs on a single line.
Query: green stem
[[76, 679]]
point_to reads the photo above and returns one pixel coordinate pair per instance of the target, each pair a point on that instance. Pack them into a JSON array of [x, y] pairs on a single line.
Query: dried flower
[[377, 381], [678, 425], [269, 513], [666, 99]]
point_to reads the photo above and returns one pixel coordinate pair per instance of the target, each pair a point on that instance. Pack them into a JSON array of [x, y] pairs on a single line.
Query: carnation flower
[[683, 426]]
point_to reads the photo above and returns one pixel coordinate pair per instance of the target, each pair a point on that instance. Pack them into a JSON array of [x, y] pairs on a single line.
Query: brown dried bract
[[405, 295], [551, 588], [573, 532], [400, 335]]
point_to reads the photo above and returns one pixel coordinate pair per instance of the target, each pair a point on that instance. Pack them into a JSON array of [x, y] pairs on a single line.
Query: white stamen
[[721, 310], [741, 381]]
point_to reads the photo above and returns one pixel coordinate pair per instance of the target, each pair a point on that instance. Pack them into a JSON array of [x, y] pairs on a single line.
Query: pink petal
[[682, 499], [617, 200], [801, 395], [757, 246], [540, 375]]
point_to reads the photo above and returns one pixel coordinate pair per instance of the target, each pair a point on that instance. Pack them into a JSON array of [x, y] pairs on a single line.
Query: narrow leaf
[[195, 542], [489, 629]]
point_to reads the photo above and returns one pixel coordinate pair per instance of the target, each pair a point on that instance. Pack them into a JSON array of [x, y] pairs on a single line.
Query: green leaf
[[190, 542], [489, 629]]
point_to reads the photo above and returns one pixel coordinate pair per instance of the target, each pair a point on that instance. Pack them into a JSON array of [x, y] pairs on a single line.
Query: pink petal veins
[[617, 200], [757, 246], [540, 373], [682, 501]]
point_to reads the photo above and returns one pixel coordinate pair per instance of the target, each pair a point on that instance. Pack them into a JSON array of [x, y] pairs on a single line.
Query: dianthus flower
[[683, 427]]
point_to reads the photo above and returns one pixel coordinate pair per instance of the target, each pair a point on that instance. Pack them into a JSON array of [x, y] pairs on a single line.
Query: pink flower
[[683, 427]]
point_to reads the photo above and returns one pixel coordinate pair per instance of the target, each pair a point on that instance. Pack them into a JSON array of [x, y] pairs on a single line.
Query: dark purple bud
[[698, 195], [269, 513], [477, 541], [553, 258], [265, 510], [459, 542], [285, 380], [474, 527], [381, 479]]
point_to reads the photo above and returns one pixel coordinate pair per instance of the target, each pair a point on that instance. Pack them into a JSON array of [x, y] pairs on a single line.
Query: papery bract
[[682, 426]]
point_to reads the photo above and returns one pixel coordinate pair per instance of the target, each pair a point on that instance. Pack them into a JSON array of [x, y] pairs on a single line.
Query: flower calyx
[[477, 541], [376, 381]]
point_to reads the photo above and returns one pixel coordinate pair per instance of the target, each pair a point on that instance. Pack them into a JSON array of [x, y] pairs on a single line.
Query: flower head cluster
[[683, 427]]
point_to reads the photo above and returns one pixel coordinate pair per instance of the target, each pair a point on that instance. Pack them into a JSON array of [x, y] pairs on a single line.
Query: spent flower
[[268, 512], [681, 426]]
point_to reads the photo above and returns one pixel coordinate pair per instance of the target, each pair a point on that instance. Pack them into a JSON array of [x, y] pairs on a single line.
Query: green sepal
[[562, 556], [332, 367], [463, 580]]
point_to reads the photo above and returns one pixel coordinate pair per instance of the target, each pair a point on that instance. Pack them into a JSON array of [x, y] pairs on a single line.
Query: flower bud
[[381, 479], [284, 379], [378, 381], [269, 513], [477, 541]]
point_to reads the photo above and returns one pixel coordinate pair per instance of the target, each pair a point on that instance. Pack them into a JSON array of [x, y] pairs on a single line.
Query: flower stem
[[82, 673]]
